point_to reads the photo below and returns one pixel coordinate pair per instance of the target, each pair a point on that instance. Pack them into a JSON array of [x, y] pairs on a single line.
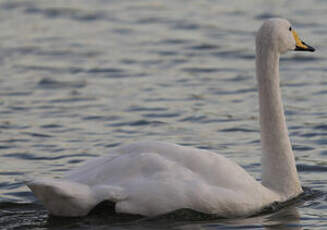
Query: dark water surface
[[78, 77]]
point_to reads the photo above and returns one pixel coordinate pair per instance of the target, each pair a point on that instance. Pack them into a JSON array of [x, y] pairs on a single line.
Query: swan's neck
[[278, 163]]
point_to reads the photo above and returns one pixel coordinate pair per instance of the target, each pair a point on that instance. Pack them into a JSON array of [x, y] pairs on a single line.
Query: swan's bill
[[301, 45]]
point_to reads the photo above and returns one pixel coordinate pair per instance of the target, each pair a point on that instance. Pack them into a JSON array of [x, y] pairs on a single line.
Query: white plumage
[[152, 178]]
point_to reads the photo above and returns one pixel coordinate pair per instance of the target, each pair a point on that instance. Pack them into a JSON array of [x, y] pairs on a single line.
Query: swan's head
[[277, 34]]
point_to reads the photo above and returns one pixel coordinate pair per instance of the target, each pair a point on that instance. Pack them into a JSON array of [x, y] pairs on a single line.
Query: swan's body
[[155, 178], [151, 178]]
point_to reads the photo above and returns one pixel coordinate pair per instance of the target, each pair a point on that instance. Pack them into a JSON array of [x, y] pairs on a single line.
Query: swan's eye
[[290, 29]]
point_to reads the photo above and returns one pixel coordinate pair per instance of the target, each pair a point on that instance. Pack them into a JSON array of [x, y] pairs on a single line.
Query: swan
[[153, 178]]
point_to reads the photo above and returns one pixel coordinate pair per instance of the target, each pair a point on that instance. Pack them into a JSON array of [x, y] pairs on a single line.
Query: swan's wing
[[67, 198], [145, 159]]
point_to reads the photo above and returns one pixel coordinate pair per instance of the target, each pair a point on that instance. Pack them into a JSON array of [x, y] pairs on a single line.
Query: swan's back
[[153, 159]]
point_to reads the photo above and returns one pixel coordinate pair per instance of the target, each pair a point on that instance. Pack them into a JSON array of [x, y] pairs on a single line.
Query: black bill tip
[[305, 47]]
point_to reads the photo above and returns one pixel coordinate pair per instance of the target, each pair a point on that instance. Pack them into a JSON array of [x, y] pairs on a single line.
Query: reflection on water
[[36, 217], [80, 77], [286, 219]]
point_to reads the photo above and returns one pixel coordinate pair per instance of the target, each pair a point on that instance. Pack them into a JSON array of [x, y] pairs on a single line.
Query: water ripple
[[65, 12], [33, 134], [245, 130], [30, 156], [311, 168], [55, 84], [137, 123], [206, 70]]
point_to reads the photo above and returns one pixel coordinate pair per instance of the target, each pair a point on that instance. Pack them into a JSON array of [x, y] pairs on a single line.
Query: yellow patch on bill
[[298, 40]]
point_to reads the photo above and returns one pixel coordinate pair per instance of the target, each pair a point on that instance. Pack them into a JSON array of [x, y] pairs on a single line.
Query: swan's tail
[[62, 197]]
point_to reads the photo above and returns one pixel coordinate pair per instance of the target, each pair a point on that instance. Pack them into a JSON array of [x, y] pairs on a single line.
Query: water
[[79, 77]]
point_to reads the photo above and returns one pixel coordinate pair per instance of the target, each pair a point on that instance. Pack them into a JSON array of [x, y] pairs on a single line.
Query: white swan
[[152, 178]]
